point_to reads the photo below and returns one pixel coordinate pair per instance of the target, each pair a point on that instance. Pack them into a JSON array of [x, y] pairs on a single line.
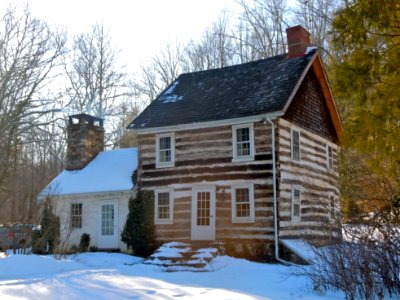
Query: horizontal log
[[204, 178], [201, 170]]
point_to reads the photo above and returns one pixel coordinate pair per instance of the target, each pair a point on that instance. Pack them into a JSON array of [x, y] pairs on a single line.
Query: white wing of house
[[109, 171]]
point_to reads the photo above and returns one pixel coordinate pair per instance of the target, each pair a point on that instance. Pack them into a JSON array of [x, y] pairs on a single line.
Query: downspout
[[276, 235]]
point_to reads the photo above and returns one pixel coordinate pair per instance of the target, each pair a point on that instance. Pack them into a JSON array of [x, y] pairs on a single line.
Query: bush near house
[[139, 231], [84, 242], [45, 241]]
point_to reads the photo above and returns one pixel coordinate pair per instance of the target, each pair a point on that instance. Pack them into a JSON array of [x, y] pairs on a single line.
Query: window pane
[[296, 203], [165, 143], [163, 206], [203, 209], [76, 215], [296, 210], [330, 157], [243, 141], [242, 202], [165, 155], [295, 145], [165, 150], [243, 134], [332, 207], [107, 219]]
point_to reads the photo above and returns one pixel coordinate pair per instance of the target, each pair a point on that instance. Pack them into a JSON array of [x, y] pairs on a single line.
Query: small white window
[[76, 215], [243, 142], [295, 145], [329, 157], [163, 206], [332, 210], [243, 204], [296, 204], [165, 150]]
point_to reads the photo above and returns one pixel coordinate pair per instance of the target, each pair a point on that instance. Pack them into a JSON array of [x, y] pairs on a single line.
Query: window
[[163, 206], [296, 204], [243, 142], [243, 204], [295, 144], [329, 156], [165, 147], [76, 215], [332, 207]]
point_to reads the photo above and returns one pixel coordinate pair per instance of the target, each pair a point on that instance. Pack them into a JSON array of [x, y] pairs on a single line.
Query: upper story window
[[76, 215], [295, 144], [165, 150], [329, 157], [243, 142], [296, 204], [163, 206], [243, 203]]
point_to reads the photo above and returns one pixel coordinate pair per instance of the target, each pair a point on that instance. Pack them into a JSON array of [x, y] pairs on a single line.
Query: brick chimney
[[298, 39], [85, 140]]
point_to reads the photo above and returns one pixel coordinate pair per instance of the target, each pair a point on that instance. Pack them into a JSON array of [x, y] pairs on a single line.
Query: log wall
[[204, 157], [315, 180]]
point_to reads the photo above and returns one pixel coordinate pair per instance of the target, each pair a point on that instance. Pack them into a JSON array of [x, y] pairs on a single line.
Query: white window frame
[[292, 216], [292, 145], [165, 164], [74, 215], [329, 158], [170, 220], [251, 218], [332, 209], [235, 157]]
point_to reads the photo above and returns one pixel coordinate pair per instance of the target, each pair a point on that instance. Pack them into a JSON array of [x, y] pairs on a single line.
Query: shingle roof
[[109, 171], [253, 88]]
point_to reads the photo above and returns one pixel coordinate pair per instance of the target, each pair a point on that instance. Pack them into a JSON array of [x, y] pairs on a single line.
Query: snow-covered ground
[[119, 276]]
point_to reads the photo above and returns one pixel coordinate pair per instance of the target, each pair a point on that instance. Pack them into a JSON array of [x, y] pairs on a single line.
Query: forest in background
[[45, 75]]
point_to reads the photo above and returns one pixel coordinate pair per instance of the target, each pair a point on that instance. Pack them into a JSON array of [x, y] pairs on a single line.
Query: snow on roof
[[109, 171]]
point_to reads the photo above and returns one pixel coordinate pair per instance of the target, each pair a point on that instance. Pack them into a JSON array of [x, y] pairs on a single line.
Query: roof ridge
[[232, 66]]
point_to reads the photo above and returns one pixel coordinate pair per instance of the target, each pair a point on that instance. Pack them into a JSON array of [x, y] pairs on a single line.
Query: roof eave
[[316, 64], [198, 125]]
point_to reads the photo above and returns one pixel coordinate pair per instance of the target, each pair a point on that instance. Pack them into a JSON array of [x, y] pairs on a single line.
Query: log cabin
[[246, 154]]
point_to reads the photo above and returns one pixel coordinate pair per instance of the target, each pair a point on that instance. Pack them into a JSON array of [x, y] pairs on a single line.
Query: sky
[[139, 29]]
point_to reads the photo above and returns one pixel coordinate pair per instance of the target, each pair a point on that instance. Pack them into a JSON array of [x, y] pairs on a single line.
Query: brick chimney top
[[85, 119], [85, 140], [298, 39]]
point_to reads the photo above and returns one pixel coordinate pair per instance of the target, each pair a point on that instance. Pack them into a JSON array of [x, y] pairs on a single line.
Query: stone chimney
[[298, 39], [85, 140]]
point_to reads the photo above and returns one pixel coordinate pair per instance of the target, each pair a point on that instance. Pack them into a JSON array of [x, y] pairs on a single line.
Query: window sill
[[165, 165], [244, 158], [243, 220], [163, 222]]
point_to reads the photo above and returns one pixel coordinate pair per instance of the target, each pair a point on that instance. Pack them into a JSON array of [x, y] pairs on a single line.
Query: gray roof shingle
[[248, 89]]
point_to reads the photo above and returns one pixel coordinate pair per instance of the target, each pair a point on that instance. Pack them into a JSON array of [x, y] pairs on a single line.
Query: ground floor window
[[163, 206], [296, 204], [243, 203], [76, 215], [332, 211]]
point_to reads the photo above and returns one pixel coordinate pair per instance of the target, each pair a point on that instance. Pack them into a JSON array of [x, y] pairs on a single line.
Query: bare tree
[[261, 30], [96, 85], [163, 69], [214, 50], [29, 57], [316, 16]]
